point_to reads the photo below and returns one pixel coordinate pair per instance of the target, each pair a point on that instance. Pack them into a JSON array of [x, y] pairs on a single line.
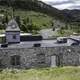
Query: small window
[[15, 60], [14, 36]]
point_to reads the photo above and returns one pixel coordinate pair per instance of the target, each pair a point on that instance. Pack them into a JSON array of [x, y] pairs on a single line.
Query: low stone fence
[[40, 57]]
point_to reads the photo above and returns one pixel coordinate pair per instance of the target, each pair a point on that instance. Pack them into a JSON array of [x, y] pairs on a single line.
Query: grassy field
[[65, 73], [39, 19]]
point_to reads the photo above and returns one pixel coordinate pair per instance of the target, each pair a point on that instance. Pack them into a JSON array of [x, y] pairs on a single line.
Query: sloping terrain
[[34, 5], [35, 15], [72, 15]]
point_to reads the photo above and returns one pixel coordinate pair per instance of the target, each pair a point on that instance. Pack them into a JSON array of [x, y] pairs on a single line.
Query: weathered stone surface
[[40, 57]]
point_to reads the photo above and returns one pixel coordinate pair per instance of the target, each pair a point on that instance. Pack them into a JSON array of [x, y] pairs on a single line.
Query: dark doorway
[[15, 60]]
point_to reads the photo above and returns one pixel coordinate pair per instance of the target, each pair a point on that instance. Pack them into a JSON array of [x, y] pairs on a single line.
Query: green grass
[[65, 33], [39, 19], [66, 73]]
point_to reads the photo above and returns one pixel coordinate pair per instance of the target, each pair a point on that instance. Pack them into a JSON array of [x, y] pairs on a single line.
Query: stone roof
[[12, 26]]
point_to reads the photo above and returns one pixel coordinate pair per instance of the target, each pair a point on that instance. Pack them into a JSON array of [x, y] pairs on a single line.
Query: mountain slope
[[72, 15], [39, 6], [34, 5]]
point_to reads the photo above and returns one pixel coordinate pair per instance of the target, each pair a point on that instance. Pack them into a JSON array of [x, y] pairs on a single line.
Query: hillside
[[34, 15], [36, 19], [34, 5], [39, 6], [72, 15]]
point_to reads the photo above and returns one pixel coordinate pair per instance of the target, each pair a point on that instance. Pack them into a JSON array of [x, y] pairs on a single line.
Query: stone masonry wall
[[40, 57]]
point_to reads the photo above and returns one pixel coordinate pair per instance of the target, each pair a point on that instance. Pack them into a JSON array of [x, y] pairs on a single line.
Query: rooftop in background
[[12, 26]]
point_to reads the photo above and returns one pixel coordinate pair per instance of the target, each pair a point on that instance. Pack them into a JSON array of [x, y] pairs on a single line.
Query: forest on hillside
[[34, 15]]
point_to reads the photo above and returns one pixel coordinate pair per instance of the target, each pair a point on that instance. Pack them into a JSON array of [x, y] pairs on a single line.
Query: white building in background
[[12, 32]]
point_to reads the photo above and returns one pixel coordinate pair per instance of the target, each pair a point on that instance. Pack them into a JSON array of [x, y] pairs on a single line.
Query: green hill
[[34, 15], [34, 5], [37, 20]]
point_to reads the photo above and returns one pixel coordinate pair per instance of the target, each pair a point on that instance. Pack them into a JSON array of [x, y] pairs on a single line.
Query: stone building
[[25, 55]]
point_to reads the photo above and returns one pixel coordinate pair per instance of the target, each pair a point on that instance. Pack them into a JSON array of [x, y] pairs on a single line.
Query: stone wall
[[40, 57]]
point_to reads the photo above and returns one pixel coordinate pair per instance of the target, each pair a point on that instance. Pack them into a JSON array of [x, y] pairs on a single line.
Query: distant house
[[12, 32]]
